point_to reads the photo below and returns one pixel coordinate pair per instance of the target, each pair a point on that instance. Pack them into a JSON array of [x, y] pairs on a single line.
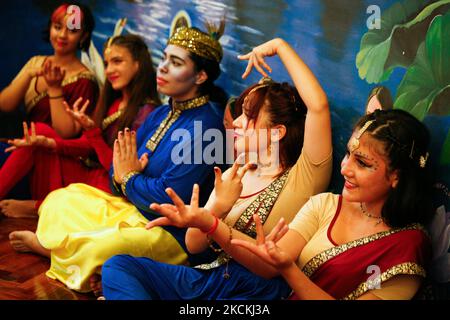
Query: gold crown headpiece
[[202, 44]]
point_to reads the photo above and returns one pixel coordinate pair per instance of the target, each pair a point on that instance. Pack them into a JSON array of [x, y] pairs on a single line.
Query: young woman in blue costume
[[80, 227], [298, 119]]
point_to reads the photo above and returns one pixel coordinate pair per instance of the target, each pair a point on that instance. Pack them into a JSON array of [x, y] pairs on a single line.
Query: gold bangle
[[115, 184], [125, 179]]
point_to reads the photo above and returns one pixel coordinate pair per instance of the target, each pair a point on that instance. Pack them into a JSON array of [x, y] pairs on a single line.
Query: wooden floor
[[22, 275]]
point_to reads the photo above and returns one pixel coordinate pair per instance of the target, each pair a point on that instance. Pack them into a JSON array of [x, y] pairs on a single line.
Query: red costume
[[69, 163]]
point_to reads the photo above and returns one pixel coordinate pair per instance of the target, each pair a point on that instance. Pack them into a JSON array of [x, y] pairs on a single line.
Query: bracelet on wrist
[[125, 179], [211, 244], [116, 185], [213, 227]]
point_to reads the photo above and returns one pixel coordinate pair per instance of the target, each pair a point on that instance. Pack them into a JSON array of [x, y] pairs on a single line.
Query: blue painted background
[[326, 34]]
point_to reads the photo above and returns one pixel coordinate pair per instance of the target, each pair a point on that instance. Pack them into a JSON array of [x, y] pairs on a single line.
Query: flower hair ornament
[[422, 159]]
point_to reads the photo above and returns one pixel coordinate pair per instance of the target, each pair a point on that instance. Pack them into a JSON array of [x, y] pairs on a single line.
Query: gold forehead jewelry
[[200, 43], [108, 45], [120, 25], [354, 142]]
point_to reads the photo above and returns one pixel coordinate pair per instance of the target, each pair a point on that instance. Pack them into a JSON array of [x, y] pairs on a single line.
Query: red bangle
[[213, 227]]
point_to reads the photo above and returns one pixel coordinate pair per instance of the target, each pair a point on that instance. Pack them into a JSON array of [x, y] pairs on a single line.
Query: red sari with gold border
[[349, 270]]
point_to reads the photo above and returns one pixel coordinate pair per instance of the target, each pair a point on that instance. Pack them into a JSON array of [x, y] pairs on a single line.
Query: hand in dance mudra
[[266, 246], [79, 115], [32, 140], [228, 187], [53, 75], [256, 58], [179, 214], [125, 157]]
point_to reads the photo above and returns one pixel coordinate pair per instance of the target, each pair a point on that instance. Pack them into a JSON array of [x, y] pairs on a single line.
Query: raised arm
[[317, 140]]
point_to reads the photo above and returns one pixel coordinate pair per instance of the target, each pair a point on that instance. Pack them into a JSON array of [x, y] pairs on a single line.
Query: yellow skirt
[[84, 226]]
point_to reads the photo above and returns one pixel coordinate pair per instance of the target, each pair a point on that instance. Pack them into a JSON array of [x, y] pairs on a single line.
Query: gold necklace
[[368, 214]]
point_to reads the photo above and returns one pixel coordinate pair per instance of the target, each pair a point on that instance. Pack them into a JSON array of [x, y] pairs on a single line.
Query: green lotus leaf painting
[[403, 28], [425, 88]]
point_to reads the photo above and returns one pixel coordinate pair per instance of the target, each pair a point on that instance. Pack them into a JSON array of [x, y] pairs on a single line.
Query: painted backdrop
[[350, 51]]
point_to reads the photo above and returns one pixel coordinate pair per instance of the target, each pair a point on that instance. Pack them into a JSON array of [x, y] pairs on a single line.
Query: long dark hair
[[405, 140], [142, 87], [87, 21], [285, 107]]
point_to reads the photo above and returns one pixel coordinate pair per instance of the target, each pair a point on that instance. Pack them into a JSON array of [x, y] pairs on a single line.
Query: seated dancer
[[369, 242], [298, 121], [81, 226], [46, 81], [43, 84], [129, 95]]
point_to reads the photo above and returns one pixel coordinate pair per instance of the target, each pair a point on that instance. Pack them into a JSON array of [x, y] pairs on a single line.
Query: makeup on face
[[62, 38], [121, 68], [365, 171], [176, 76]]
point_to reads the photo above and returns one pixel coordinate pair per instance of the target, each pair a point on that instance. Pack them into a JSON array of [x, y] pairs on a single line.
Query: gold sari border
[[263, 204], [406, 268], [312, 265], [110, 119], [66, 82]]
